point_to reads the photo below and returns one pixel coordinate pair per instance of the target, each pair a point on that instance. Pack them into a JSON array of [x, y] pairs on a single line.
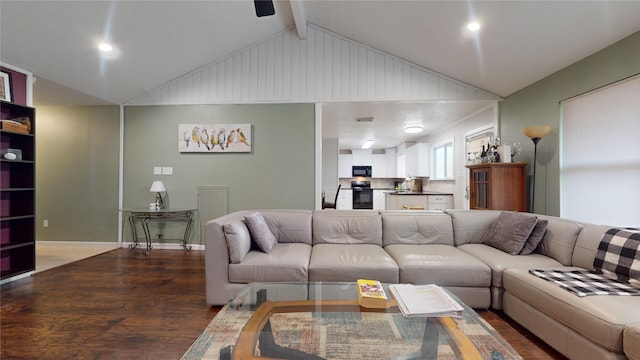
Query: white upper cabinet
[[379, 166], [362, 157], [345, 163], [390, 159], [417, 160]]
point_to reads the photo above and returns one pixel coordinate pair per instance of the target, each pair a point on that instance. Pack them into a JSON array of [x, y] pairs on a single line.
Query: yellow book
[[371, 294]]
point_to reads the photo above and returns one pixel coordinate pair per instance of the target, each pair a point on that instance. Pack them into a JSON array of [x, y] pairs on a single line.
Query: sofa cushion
[[631, 341], [443, 265], [469, 226], [347, 227], [536, 237], [350, 262], [509, 232], [260, 232], [601, 319], [286, 262], [416, 227], [587, 244], [238, 240], [559, 239], [289, 226], [499, 260]]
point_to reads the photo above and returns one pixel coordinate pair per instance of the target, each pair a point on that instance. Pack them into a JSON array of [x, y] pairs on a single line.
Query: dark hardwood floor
[[123, 305]]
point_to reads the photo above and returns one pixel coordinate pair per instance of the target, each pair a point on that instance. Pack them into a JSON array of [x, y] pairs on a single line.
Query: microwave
[[361, 171]]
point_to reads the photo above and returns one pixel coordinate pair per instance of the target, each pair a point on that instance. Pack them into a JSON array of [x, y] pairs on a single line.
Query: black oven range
[[362, 195]]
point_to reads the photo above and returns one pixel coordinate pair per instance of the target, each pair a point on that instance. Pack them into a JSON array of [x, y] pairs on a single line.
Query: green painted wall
[[538, 104], [278, 173], [77, 173]]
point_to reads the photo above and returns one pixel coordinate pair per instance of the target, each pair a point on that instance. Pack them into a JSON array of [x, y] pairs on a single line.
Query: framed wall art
[[5, 86], [214, 138]]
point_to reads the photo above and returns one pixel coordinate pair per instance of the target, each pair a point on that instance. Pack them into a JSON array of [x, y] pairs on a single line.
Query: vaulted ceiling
[[519, 42]]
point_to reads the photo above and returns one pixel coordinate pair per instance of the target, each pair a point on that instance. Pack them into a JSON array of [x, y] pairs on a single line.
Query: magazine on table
[[371, 294], [425, 300]]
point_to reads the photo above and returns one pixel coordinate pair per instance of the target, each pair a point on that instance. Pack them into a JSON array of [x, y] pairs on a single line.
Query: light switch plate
[[157, 170], [167, 170]]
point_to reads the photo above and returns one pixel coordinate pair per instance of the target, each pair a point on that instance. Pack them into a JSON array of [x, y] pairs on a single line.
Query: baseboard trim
[[83, 243]]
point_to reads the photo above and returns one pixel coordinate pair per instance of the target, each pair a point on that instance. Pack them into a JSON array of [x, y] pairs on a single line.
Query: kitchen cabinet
[[417, 160], [345, 200], [379, 199], [439, 202], [498, 186], [397, 202], [361, 157], [345, 163], [390, 162], [379, 166], [17, 192]]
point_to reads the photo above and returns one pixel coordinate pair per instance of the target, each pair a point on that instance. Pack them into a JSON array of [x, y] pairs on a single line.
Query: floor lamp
[[535, 133]]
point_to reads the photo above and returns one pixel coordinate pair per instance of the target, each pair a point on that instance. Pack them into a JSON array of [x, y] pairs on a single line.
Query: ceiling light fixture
[[413, 129], [473, 26], [367, 144], [104, 47]]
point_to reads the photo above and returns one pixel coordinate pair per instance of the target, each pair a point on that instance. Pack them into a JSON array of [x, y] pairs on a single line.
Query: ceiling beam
[[299, 17]]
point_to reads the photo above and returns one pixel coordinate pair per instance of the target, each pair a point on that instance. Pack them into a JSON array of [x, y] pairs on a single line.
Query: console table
[[146, 216]]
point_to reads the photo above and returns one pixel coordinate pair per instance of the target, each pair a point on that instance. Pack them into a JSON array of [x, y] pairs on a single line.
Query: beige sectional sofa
[[423, 247]]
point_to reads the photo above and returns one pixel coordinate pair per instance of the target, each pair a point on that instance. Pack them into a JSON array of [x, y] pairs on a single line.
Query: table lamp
[[158, 187], [535, 133]]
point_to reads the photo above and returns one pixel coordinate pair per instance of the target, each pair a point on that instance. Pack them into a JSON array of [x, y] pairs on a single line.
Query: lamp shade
[[539, 132], [157, 186]]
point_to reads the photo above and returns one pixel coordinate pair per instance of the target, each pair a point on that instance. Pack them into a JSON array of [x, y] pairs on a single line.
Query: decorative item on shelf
[[12, 154], [516, 148], [19, 125], [5, 86], [158, 188], [535, 133]]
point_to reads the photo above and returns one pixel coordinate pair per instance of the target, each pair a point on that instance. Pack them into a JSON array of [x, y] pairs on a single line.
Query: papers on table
[[425, 300]]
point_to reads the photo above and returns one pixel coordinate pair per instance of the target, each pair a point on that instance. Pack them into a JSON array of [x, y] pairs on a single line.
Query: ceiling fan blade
[[264, 7]]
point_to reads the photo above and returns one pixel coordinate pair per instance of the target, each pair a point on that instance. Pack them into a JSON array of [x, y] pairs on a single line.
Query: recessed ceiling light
[[473, 26], [367, 144], [104, 47], [413, 129]]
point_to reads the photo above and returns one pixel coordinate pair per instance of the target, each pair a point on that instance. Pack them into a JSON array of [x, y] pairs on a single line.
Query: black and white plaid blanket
[[585, 283], [618, 255]]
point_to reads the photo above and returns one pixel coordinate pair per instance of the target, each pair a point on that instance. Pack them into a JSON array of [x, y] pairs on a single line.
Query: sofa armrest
[[217, 258]]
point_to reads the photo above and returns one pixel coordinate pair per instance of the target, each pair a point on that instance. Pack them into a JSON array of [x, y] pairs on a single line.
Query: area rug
[[343, 335]]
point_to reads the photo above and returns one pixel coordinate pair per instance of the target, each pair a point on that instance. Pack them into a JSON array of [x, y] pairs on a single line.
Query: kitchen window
[[443, 162]]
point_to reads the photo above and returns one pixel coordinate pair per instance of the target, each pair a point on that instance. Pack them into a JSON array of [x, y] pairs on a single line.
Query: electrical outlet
[[45, 223], [167, 170]]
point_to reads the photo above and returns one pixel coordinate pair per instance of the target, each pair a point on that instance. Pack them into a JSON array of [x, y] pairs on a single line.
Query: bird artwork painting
[[214, 138], [195, 135], [204, 138], [187, 137], [241, 137], [231, 138], [222, 137]]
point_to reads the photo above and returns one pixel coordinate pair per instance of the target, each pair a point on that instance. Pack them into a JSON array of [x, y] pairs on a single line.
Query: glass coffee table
[[323, 320]]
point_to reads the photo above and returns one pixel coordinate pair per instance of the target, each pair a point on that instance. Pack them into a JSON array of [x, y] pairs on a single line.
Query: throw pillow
[[260, 232], [509, 232], [536, 236], [238, 240]]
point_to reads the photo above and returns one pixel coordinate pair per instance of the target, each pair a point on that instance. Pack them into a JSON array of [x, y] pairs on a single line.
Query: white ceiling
[[156, 41]]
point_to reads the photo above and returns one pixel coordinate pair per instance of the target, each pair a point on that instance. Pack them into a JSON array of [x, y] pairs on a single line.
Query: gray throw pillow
[[509, 232], [260, 232], [536, 236], [238, 240]]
